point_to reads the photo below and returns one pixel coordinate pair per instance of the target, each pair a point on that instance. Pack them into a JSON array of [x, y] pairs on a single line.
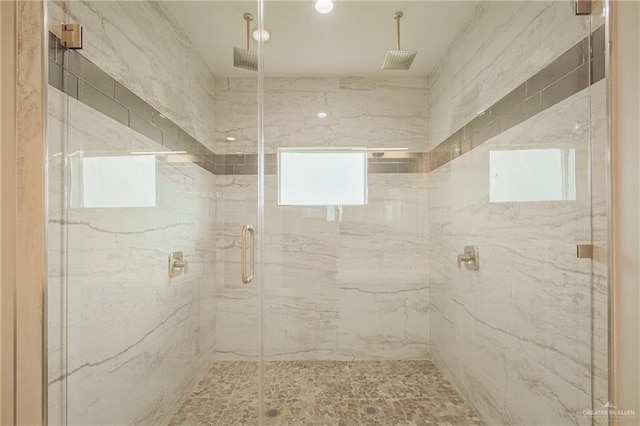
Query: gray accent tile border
[[562, 78], [73, 74], [79, 78]]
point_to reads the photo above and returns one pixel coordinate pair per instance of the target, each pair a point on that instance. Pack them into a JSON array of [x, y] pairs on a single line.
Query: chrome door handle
[[243, 255]]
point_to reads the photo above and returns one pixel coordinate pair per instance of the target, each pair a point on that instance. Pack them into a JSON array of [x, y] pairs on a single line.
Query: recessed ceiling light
[[322, 115], [265, 35], [324, 6], [230, 139]]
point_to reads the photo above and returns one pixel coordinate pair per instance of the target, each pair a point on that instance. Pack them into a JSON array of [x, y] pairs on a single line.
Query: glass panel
[[143, 167], [373, 312]]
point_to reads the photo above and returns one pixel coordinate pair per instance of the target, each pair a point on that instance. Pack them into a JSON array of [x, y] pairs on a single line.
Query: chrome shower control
[[470, 258], [177, 265]]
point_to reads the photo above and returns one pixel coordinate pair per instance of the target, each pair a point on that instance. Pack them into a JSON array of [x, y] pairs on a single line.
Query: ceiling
[[351, 40]]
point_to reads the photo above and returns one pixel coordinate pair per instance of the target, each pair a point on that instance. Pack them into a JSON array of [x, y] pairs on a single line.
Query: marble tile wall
[[373, 281], [374, 112], [351, 288], [126, 342], [500, 46], [156, 61], [516, 336], [136, 340]]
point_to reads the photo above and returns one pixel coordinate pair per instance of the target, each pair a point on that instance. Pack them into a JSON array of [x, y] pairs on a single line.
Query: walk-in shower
[[324, 241]]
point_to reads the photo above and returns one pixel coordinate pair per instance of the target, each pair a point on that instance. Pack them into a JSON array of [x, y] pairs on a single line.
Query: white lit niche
[[116, 181], [322, 177], [532, 175]]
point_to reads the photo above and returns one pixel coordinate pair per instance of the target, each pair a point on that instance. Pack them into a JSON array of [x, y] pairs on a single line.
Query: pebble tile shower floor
[[326, 393]]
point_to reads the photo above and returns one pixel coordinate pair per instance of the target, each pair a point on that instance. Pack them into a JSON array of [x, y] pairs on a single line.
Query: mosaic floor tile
[[326, 393]]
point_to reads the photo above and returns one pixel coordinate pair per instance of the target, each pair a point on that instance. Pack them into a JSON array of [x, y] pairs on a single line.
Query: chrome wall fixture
[[583, 7], [584, 251], [470, 258], [71, 36], [177, 264]]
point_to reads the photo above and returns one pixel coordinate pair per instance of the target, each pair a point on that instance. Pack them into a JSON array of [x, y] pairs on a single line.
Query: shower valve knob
[[177, 265], [470, 258]]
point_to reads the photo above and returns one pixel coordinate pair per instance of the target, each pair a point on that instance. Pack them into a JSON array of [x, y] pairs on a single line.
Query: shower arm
[[397, 17], [248, 17]]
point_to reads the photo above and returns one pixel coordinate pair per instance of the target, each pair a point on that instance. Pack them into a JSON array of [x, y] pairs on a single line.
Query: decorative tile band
[[84, 81], [73, 74], [562, 78], [79, 78]]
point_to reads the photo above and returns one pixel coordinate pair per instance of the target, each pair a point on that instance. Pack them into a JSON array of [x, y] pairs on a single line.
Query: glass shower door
[[151, 323], [429, 233], [428, 244]]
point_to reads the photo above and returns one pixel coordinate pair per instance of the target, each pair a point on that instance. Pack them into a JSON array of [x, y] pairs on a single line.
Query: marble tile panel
[[502, 45], [481, 331], [117, 263], [314, 270], [384, 324], [361, 112], [156, 61], [469, 210], [299, 327]]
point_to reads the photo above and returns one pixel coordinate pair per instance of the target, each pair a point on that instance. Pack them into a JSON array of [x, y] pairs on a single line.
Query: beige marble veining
[[374, 112], [131, 341], [501, 45], [500, 325], [379, 283], [324, 299], [516, 336]]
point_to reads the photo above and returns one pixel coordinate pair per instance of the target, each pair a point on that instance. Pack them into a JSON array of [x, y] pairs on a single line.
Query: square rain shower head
[[399, 59], [243, 58]]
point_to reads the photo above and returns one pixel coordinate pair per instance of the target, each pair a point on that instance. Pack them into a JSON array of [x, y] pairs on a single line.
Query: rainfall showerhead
[[398, 59], [245, 58]]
